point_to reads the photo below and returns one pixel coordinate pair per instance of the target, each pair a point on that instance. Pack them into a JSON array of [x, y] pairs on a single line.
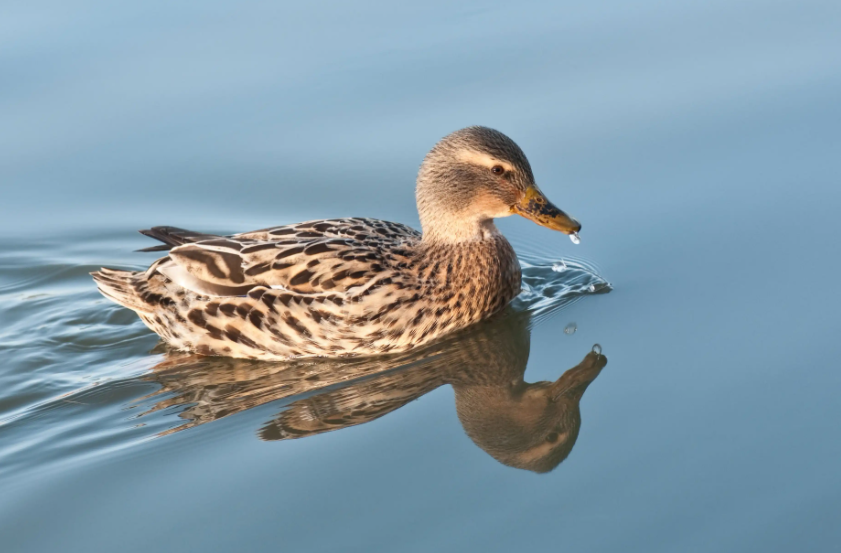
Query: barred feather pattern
[[339, 287]]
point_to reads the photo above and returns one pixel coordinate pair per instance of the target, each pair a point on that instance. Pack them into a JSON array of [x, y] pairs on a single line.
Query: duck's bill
[[536, 207]]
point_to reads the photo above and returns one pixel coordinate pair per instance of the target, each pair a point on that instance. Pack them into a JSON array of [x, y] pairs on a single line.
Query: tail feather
[[173, 236], [122, 288]]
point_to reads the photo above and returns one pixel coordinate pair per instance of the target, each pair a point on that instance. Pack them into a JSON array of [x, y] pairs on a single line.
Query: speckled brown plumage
[[345, 287]]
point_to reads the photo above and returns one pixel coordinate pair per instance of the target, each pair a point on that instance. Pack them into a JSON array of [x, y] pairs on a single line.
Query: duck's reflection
[[525, 425]]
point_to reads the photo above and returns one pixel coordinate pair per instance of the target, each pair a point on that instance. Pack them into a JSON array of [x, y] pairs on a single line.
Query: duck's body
[[332, 287], [343, 287]]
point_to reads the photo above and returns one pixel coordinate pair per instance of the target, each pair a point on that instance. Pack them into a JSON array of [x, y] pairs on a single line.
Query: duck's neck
[[445, 215], [454, 231]]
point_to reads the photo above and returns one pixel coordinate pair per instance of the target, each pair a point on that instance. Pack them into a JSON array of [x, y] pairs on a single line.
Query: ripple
[[550, 285]]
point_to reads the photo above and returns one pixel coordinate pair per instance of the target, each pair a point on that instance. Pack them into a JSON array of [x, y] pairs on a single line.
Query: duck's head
[[475, 175]]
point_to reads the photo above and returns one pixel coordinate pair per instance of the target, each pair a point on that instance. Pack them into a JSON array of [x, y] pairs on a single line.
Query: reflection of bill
[[526, 425]]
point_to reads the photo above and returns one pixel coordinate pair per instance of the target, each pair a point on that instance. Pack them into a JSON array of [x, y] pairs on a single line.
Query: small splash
[[575, 238], [570, 328], [551, 285]]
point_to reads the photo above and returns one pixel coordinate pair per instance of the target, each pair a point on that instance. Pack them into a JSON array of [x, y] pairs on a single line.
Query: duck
[[350, 286]]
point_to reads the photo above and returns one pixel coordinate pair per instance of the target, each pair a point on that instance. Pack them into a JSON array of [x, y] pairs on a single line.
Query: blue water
[[698, 144]]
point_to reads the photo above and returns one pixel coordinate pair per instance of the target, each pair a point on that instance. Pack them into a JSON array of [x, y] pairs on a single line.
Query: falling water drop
[[597, 349], [575, 238], [570, 328]]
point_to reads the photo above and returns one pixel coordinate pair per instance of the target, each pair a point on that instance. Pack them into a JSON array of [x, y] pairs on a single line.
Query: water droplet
[[570, 328], [559, 267], [597, 349], [592, 288], [575, 238]]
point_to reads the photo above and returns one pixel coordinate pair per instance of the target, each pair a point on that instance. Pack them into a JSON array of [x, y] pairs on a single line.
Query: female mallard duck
[[344, 287]]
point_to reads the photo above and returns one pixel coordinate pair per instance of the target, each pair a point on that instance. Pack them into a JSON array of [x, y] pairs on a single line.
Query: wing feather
[[335, 256]]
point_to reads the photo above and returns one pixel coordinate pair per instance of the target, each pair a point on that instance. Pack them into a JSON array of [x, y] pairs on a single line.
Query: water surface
[[697, 143]]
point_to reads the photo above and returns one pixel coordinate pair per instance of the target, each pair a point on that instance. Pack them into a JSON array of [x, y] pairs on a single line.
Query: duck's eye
[[552, 437], [497, 169]]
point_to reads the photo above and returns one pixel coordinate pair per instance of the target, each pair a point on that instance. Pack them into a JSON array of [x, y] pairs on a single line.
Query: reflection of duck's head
[[528, 426]]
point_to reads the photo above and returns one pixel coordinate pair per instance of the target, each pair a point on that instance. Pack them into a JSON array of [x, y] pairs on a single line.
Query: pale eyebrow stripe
[[478, 158]]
